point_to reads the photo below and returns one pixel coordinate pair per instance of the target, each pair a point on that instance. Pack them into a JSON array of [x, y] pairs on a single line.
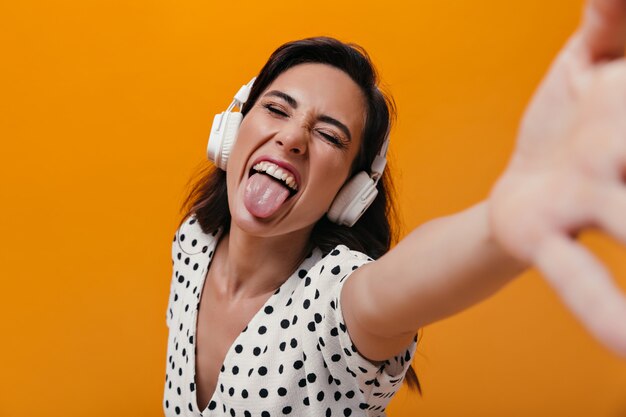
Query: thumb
[[586, 287]]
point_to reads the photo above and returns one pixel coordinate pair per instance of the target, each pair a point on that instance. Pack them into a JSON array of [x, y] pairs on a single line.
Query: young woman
[[279, 307]]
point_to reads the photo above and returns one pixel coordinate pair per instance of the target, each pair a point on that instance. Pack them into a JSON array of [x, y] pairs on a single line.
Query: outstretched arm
[[566, 174], [439, 269]]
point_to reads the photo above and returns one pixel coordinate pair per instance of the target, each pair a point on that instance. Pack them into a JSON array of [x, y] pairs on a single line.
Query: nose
[[293, 139]]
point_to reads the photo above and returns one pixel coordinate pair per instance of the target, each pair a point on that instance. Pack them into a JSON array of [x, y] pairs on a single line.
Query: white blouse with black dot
[[294, 357]]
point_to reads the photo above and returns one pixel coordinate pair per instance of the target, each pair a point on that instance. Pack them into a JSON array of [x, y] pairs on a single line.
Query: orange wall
[[105, 111]]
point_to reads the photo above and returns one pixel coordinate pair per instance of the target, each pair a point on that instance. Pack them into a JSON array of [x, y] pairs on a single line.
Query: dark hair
[[376, 230]]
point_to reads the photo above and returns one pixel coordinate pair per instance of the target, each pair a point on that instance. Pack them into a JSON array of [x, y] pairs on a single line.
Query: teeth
[[276, 172]]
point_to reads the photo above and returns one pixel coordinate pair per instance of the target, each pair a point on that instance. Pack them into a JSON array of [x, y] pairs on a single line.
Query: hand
[[568, 172]]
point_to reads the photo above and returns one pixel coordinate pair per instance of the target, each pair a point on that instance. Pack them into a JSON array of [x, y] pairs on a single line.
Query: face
[[305, 128]]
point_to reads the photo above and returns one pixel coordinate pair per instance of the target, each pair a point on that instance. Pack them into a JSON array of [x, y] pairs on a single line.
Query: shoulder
[[341, 261], [190, 239]]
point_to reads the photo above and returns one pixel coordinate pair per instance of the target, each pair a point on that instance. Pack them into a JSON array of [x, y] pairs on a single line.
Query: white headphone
[[353, 199]]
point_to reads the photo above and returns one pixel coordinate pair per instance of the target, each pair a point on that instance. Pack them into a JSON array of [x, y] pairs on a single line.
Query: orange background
[[105, 112]]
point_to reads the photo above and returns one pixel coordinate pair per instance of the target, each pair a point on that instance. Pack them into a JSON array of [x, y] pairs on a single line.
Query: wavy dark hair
[[377, 229]]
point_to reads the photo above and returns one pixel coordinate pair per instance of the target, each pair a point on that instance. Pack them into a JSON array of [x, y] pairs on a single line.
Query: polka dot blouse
[[294, 357]]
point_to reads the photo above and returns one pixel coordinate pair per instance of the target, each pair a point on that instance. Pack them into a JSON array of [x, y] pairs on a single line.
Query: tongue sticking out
[[263, 195]]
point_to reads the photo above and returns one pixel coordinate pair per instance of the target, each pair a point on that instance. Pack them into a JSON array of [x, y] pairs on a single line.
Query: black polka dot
[[282, 391], [286, 410], [268, 310], [263, 393], [336, 270]]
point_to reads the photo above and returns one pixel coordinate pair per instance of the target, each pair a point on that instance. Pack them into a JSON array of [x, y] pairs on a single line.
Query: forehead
[[324, 89]]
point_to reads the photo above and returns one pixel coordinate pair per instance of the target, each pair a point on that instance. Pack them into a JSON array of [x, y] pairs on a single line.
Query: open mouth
[[280, 175]]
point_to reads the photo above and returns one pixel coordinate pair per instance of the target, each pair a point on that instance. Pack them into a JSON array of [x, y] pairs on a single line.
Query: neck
[[247, 266]]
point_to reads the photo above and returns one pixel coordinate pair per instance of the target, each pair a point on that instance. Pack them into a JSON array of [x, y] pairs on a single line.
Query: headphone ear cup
[[223, 136], [353, 199]]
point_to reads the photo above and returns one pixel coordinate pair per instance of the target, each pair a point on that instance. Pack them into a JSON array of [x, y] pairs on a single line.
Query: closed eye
[[273, 109], [335, 140]]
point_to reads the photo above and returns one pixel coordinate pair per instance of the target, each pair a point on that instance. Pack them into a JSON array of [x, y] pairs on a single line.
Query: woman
[[256, 251]]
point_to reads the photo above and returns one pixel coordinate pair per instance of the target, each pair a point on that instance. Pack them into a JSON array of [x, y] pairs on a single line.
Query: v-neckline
[[271, 298]]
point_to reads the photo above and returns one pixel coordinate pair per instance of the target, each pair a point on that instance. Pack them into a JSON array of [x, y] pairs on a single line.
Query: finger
[[603, 30], [609, 210], [586, 287]]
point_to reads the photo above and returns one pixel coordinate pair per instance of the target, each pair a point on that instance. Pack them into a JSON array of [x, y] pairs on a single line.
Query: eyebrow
[[323, 118]]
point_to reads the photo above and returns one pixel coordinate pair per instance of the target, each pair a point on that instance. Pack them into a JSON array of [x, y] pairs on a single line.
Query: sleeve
[[378, 383]]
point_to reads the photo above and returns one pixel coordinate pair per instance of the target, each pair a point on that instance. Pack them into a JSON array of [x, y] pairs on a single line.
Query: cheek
[[244, 145], [331, 175]]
